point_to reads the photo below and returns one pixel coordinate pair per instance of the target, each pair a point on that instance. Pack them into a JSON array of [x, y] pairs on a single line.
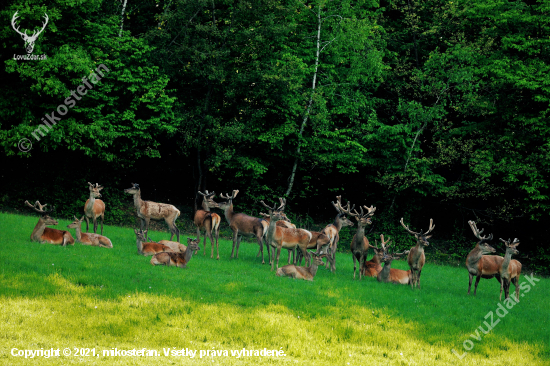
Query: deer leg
[[208, 234], [261, 244], [477, 281], [501, 286], [333, 263], [278, 254], [217, 246], [238, 245], [273, 259], [95, 225], [516, 283], [235, 235], [469, 285], [102, 219], [354, 264], [418, 278]]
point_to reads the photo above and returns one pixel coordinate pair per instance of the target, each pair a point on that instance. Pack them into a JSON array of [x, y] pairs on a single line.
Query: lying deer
[[45, 235], [147, 210], [177, 259], [149, 248], [510, 269], [393, 275], [95, 240], [416, 257], [302, 273], [373, 267], [208, 220], [94, 208]]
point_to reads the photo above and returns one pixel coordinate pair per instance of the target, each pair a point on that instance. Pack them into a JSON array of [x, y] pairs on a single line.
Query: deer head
[[133, 190], [363, 219], [94, 190], [511, 246], [229, 200], [276, 212], [44, 213], [29, 40], [342, 215], [483, 240], [208, 199], [193, 244], [76, 223], [421, 237]]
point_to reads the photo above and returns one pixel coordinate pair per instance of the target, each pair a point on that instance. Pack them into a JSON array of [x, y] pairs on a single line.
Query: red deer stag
[[94, 208], [279, 237], [332, 232], [149, 248], [94, 240], [510, 269], [283, 222], [416, 257], [478, 263], [301, 273], [147, 210], [373, 267], [360, 244], [177, 259], [45, 235], [242, 225], [393, 275], [208, 220]]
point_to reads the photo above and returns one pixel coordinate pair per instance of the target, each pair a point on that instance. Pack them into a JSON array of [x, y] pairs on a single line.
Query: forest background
[[424, 109]]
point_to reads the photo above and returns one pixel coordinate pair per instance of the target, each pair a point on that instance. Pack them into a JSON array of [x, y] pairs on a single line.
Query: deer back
[[55, 236], [157, 211], [154, 248], [174, 245]]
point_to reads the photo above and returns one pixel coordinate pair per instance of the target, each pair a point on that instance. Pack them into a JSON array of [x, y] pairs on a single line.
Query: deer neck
[[313, 268], [506, 262], [360, 233], [385, 272], [337, 223], [137, 200], [91, 201], [474, 257], [139, 244], [188, 254], [205, 206], [38, 230], [271, 228], [229, 213], [78, 230]]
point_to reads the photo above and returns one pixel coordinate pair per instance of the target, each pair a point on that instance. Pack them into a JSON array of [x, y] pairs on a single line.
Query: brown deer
[[94, 240], [373, 267], [279, 237], [283, 222], [302, 273], [94, 208], [174, 245], [510, 269], [332, 232], [479, 264], [147, 210], [319, 241], [177, 259], [208, 220], [359, 243], [416, 257], [45, 235], [242, 225], [149, 248], [393, 275]]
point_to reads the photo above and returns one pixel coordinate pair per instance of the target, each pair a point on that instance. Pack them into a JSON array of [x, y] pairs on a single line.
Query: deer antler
[[477, 232], [232, 197], [13, 19], [407, 228], [509, 243], [206, 194], [384, 243], [38, 207]]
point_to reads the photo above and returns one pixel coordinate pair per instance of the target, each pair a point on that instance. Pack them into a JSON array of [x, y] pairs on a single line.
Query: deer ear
[[82, 218], [429, 236]]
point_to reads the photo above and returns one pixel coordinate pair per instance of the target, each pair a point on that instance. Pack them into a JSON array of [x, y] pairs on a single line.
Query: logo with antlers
[[29, 40]]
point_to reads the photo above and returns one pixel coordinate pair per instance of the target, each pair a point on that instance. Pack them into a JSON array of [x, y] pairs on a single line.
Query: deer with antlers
[[332, 232], [208, 220], [147, 210], [283, 222], [179, 259], [478, 263], [393, 275], [94, 208], [29, 40], [416, 257], [373, 267], [45, 235], [510, 269], [95, 240], [279, 237], [146, 247], [301, 273], [359, 243], [242, 225]]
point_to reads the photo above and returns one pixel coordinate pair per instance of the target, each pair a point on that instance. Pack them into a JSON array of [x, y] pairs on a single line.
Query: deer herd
[[275, 230]]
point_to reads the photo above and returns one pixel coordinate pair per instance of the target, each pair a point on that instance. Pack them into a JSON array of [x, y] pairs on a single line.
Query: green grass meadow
[[89, 297]]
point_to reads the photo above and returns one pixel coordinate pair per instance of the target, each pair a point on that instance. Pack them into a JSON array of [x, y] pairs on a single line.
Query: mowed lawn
[[89, 297]]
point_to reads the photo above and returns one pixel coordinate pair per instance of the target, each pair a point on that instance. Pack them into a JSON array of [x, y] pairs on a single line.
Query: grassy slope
[[91, 297]]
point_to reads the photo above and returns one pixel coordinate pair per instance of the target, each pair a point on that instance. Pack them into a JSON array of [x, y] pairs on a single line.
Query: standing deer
[[319, 241], [95, 240], [393, 275], [360, 244], [510, 269], [302, 273], [332, 232], [283, 222], [242, 225], [279, 237], [373, 267], [210, 221], [177, 259], [149, 248], [147, 210], [45, 235], [479, 264], [416, 257], [94, 208]]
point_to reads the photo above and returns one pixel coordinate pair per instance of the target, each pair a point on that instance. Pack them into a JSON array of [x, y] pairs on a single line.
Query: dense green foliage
[[421, 108], [89, 297]]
